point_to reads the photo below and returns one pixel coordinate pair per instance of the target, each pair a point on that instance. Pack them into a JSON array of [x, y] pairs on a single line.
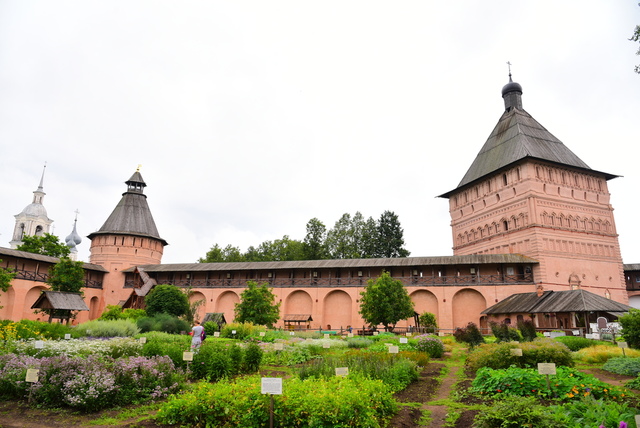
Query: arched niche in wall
[[226, 304], [466, 306], [337, 309]]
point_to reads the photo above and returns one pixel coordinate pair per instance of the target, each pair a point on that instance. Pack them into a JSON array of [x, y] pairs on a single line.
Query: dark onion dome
[[511, 87]]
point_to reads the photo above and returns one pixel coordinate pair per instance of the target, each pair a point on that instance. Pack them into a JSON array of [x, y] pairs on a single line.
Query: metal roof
[[516, 137], [60, 300], [556, 301], [633, 266], [341, 263], [46, 259]]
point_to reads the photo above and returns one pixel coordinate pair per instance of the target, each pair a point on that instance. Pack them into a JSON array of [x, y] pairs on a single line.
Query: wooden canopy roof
[[60, 300], [556, 302]]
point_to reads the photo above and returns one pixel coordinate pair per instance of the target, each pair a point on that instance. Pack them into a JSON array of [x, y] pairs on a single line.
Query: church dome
[[511, 87], [35, 210]]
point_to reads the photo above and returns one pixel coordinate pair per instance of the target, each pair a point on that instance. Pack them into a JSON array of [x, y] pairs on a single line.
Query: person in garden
[[196, 339]]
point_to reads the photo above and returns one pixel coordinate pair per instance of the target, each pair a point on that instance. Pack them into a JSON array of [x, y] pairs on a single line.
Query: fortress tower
[[527, 193], [128, 238]]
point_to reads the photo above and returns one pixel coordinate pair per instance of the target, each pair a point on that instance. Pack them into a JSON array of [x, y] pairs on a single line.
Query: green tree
[[221, 255], [630, 323], [314, 247], [47, 245], [428, 321], [285, 249], [67, 275], [6, 276], [390, 236], [257, 305], [385, 301], [168, 299]]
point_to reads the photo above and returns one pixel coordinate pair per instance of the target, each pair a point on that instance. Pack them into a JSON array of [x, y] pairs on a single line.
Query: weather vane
[[139, 166], [509, 64]]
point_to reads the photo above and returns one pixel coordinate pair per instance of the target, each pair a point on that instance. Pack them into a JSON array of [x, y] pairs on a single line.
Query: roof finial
[[509, 64], [40, 187], [139, 166]]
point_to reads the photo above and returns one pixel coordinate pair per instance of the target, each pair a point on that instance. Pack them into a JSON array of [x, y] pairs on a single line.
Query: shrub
[[242, 330], [430, 345], [567, 384], [168, 299], [210, 327], [469, 335], [499, 356], [503, 332], [576, 343], [623, 366], [602, 353], [252, 358], [163, 322], [588, 412], [516, 412], [116, 347], [359, 342], [173, 346], [527, 330], [336, 402], [109, 328], [212, 362], [630, 324]]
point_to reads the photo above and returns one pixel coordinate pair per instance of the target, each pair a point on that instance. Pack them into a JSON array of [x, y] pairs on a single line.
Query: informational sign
[[32, 375], [39, 344], [623, 345], [393, 349], [187, 356], [278, 346], [326, 335], [263, 334], [216, 334], [342, 371], [326, 345], [404, 340], [375, 333], [638, 420], [547, 368], [143, 340], [233, 332], [575, 332], [292, 334], [388, 344], [409, 334], [516, 352], [67, 336], [271, 385], [350, 335]]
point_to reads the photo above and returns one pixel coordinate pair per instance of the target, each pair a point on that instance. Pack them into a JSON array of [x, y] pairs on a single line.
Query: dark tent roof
[[216, 317], [555, 302], [60, 300], [132, 215], [518, 136]]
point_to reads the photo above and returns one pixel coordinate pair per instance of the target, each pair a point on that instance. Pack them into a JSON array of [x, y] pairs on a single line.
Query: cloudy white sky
[[251, 117]]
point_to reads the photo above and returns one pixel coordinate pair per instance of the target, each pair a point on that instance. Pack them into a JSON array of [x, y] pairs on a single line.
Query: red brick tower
[[527, 193]]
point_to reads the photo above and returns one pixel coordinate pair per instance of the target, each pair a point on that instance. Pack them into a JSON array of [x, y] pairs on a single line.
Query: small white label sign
[[342, 371], [216, 334], [143, 340], [326, 345], [39, 344], [547, 368], [67, 336], [271, 385], [187, 356], [393, 349], [32, 375], [623, 345], [263, 334], [517, 352], [233, 332], [350, 335], [292, 334], [278, 346], [326, 335], [404, 340]]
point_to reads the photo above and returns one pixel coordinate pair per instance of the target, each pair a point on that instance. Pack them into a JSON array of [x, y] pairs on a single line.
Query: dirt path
[[439, 412]]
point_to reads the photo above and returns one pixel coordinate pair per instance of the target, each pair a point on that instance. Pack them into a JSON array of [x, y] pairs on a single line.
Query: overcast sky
[[251, 117]]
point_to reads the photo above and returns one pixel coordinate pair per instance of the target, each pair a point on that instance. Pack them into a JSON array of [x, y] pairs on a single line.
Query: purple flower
[[623, 424]]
